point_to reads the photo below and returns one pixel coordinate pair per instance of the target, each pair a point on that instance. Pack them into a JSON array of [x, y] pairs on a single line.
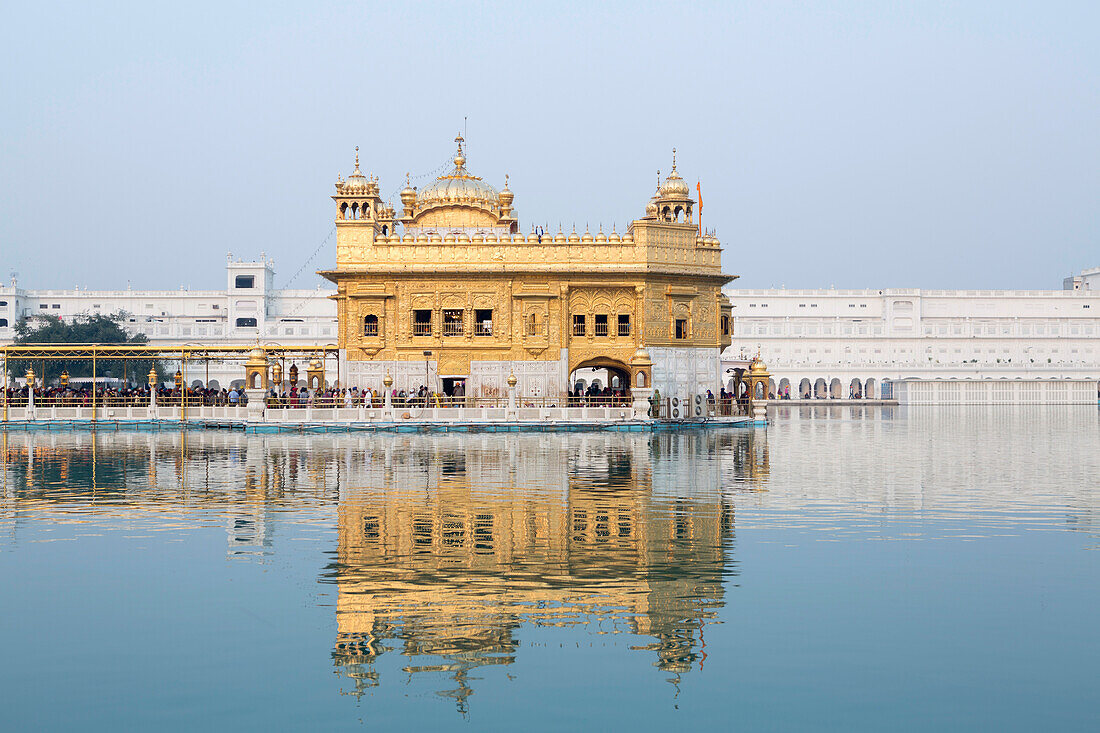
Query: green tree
[[84, 329]]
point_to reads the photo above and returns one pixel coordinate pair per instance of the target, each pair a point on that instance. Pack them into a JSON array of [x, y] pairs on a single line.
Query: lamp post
[[30, 388], [427, 355], [152, 387], [387, 412]]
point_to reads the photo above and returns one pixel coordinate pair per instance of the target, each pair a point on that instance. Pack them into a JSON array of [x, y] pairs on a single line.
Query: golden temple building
[[449, 290]]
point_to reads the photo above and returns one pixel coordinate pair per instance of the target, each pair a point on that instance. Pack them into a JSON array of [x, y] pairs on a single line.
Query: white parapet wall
[[996, 391]]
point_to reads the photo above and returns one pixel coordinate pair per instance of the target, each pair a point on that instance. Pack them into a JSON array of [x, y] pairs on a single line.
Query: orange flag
[[699, 192]]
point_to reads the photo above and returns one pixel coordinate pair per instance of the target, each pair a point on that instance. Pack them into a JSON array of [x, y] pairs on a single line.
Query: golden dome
[[757, 366], [459, 187], [586, 237], [356, 182], [674, 187], [408, 194], [641, 358]]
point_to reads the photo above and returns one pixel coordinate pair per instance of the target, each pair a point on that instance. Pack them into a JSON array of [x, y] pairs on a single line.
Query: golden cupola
[[674, 202], [408, 199], [356, 183], [357, 196], [461, 200], [506, 197]]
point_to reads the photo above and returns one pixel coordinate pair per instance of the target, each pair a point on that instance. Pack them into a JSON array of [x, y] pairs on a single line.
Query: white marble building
[[817, 343], [822, 344], [248, 308]]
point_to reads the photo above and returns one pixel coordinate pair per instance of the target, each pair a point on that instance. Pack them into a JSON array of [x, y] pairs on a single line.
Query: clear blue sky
[[870, 144]]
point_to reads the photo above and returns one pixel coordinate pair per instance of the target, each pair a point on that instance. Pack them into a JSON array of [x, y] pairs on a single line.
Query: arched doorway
[[600, 381], [784, 389], [821, 389], [869, 389], [771, 389], [855, 390], [834, 389]]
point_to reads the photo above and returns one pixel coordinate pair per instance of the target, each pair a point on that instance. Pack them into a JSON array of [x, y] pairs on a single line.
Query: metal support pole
[[94, 384], [183, 386]]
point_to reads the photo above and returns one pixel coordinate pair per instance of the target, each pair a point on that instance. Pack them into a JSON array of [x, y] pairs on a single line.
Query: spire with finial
[[674, 159], [357, 160]]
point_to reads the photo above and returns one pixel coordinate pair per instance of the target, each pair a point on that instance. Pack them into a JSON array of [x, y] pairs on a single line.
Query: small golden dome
[[586, 237], [356, 182], [573, 237], [614, 237], [512, 380], [408, 193], [559, 237], [641, 358], [601, 237], [674, 187], [757, 366]]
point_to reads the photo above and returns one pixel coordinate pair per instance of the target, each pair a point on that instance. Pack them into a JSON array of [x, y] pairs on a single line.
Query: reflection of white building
[[837, 343], [247, 309]]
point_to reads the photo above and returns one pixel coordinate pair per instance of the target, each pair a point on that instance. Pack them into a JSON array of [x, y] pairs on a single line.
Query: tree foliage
[[83, 329]]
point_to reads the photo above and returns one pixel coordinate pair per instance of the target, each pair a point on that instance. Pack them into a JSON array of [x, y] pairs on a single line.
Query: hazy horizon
[[939, 145]]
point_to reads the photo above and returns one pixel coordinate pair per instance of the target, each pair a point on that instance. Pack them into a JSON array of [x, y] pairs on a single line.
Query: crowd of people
[[595, 395], [76, 396]]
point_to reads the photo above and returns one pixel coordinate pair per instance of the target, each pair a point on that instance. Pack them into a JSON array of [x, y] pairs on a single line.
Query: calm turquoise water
[[844, 569]]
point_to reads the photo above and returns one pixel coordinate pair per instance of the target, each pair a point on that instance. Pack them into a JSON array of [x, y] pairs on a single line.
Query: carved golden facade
[[454, 276]]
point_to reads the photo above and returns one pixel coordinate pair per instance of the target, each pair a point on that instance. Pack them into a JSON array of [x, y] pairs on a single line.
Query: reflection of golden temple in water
[[448, 544], [447, 555]]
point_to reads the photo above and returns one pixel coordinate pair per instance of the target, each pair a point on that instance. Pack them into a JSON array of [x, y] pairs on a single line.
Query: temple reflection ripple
[[447, 549]]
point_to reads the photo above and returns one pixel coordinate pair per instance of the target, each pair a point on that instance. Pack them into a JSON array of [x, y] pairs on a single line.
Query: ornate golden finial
[[506, 180], [459, 139], [356, 157], [674, 159], [406, 179]]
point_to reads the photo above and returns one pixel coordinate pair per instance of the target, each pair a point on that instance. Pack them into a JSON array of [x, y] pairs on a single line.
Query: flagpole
[[699, 192]]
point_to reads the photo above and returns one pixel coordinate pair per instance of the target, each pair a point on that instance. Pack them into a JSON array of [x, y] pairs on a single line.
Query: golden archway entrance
[[618, 381]]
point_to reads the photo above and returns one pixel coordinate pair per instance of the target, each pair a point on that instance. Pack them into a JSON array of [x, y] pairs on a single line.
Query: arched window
[[3, 322], [534, 325], [725, 325], [370, 325]]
